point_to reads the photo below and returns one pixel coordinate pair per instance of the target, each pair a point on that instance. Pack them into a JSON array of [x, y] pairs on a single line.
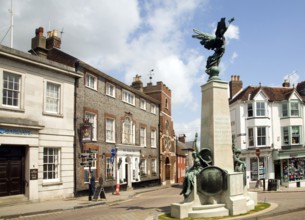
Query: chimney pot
[[235, 85], [286, 83]]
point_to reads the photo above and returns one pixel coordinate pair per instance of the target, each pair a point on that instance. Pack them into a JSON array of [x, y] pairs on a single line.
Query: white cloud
[[232, 32], [126, 37], [189, 129], [233, 57]]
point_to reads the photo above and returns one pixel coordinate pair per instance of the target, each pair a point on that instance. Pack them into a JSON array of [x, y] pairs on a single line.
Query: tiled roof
[[183, 148], [273, 93]]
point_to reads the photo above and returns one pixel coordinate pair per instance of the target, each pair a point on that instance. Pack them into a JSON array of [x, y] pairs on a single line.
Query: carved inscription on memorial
[[222, 130]]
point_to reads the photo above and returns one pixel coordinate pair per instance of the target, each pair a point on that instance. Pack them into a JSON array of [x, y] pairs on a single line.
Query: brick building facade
[[123, 119], [163, 94]]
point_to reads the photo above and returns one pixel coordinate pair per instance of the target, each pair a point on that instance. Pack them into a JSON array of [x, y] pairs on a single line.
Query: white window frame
[[128, 134], [92, 118], [56, 171], [142, 168], [153, 108], [154, 166], [260, 110], [288, 109], [285, 136], [110, 130], [110, 169], [153, 138], [110, 89], [143, 104], [142, 136], [128, 97], [250, 110], [58, 111], [251, 137], [287, 132], [91, 81], [293, 109], [20, 90], [285, 109], [262, 137], [136, 169], [256, 136]]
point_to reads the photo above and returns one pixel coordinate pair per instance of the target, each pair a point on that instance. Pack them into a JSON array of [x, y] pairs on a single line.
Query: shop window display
[[293, 169], [254, 168]]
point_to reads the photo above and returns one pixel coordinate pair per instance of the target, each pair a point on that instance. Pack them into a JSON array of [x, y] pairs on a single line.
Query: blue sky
[[265, 43]]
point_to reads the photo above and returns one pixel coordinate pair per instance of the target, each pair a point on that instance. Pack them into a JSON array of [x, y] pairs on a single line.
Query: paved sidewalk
[[10, 209]]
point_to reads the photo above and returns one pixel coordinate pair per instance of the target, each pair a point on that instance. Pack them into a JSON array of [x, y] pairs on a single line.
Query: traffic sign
[[86, 163], [113, 152], [84, 155]]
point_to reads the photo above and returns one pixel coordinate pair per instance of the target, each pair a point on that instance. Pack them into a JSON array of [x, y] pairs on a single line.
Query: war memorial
[[215, 185]]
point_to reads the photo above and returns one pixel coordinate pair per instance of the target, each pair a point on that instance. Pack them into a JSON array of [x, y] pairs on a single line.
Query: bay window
[[291, 135]]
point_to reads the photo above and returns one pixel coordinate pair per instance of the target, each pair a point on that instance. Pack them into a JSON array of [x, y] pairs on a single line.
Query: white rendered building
[[268, 126], [36, 126]]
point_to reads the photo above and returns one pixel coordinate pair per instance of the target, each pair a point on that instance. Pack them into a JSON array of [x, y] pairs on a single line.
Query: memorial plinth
[[215, 123]]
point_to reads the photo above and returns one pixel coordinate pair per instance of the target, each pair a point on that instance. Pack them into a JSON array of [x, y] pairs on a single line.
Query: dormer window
[[294, 108], [250, 110], [256, 109], [291, 109], [260, 109]]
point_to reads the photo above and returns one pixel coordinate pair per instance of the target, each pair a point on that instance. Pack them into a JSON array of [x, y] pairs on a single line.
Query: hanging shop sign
[[86, 132]]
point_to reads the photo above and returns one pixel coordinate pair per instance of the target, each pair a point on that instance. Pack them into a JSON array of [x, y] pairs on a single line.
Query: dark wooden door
[[11, 170], [11, 177], [167, 169]]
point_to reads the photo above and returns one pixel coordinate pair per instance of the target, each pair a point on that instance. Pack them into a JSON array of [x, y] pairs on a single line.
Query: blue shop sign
[[14, 131]]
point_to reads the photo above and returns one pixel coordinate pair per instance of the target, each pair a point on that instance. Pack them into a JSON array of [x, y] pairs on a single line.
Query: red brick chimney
[[235, 85]]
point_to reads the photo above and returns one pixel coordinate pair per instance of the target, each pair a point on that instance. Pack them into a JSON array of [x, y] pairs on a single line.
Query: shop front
[[258, 167], [18, 164], [12, 181], [291, 167]]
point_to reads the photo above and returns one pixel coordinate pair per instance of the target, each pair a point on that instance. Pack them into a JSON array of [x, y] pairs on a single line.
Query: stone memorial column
[[215, 123]]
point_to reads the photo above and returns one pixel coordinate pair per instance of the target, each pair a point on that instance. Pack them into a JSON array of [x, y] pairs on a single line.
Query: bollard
[[117, 189]]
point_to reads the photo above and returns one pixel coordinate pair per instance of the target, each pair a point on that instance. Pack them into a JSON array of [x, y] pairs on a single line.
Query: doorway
[[11, 170], [167, 169], [277, 169]]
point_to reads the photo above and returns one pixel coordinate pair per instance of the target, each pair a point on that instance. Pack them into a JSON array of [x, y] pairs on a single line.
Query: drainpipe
[[159, 144], [77, 63], [176, 160]]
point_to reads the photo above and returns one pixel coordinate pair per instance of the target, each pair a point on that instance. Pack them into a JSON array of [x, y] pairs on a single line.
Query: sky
[[265, 43]]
